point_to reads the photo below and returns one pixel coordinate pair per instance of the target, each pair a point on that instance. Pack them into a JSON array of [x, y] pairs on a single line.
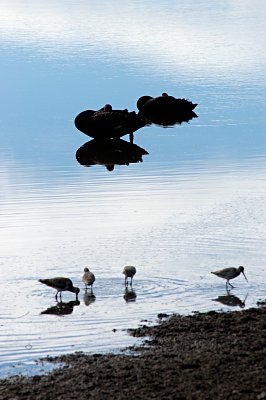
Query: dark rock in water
[[261, 303], [107, 123], [109, 152], [166, 110], [163, 315]]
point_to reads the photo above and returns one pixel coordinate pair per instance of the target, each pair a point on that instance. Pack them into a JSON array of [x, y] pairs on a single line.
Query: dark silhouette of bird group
[[106, 126], [107, 123], [61, 284]]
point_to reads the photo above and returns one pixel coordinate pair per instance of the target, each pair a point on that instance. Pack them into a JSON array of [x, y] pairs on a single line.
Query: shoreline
[[204, 356]]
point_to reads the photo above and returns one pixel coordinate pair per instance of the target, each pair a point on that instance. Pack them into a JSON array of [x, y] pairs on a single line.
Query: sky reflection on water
[[195, 204], [203, 38]]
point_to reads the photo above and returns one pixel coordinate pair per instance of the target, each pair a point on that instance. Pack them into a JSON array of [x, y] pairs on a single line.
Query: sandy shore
[[204, 356]]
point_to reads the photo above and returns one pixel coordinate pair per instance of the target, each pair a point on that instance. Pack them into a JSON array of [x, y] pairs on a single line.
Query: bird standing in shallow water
[[129, 272], [230, 273], [107, 123], [61, 284], [166, 110], [88, 278]]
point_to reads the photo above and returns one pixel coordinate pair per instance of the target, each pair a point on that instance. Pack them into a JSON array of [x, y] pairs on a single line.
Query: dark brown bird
[[61, 284], [229, 273]]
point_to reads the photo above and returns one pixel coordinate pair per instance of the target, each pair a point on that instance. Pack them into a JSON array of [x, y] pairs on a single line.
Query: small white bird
[[229, 273], [88, 278], [129, 272]]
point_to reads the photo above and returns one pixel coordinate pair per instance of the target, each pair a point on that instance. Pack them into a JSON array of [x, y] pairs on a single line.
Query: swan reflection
[[109, 152], [89, 297], [129, 294], [62, 308], [231, 300]]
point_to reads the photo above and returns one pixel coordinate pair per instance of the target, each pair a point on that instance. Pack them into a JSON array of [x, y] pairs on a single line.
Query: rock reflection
[[166, 110], [129, 294], [89, 298], [107, 123], [109, 152], [231, 300], [62, 308]]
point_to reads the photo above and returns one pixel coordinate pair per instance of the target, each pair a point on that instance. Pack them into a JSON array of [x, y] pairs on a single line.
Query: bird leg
[[228, 283], [131, 137]]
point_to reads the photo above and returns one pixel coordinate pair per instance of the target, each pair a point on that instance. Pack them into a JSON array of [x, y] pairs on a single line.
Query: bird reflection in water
[[109, 152], [89, 297], [129, 294], [231, 300], [62, 308], [166, 110]]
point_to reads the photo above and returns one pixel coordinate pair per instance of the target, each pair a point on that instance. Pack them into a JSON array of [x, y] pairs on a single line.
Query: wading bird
[[88, 278], [61, 284], [230, 273], [129, 272]]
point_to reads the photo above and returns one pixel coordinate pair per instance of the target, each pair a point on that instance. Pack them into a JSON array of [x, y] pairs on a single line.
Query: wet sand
[[205, 356]]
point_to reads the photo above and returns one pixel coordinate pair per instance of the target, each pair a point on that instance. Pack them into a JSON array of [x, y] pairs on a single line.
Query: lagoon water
[[195, 204]]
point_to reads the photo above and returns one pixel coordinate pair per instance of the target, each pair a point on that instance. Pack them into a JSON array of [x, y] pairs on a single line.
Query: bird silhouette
[[60, 284], [129, 272], [230, 273], [88, 278], [107, 123], [166, 110]]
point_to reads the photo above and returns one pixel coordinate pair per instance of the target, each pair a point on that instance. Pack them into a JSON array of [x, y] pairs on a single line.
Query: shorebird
[[129, 272], [230, 273], [61, 284], [88, 278]]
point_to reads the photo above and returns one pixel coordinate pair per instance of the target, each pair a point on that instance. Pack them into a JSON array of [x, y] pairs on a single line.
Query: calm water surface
[[195, 204]]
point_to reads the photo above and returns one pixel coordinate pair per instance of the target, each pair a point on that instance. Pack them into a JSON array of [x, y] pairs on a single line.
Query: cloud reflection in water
[[166, 37]]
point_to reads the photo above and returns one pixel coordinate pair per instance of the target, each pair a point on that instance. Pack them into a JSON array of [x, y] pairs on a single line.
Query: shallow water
[[195, 204]]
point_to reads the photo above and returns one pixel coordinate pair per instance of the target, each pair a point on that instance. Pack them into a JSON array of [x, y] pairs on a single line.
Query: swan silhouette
[[107, 123], [166, 110]]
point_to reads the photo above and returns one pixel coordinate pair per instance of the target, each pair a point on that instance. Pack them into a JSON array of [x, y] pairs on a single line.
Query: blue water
[[195, 204]]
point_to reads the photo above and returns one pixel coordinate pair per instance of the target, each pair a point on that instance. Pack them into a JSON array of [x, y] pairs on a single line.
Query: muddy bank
[[205, 356]]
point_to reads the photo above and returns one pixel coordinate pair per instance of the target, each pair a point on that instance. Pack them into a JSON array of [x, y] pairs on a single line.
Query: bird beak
[[245, 276]]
